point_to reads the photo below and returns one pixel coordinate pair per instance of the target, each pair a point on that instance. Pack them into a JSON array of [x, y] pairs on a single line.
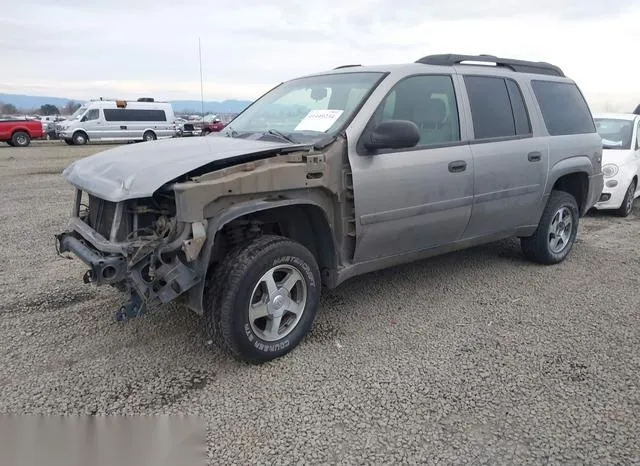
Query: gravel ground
[[473, 357]]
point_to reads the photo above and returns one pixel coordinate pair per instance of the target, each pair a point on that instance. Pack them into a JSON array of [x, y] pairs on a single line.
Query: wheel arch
[[302, 220], [571, 175], [20, 129], [80, 130]]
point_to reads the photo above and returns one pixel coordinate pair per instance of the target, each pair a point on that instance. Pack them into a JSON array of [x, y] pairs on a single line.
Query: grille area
[[101, 215]]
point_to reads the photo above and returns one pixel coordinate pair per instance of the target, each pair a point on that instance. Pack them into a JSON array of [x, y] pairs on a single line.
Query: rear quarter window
[[563, 107]]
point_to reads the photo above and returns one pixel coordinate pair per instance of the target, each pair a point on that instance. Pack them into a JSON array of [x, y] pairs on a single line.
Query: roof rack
[[521, 66], [345, 66]]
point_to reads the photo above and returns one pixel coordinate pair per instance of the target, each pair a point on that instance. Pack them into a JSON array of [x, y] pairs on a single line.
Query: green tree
[[8, 109], [48, 109]]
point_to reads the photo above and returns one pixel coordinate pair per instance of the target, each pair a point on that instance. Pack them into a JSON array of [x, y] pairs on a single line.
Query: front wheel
[[79, 139], [556, 233], [262, 299], [627, 203]]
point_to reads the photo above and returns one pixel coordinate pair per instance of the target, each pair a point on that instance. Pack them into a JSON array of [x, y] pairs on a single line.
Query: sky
[[128, 48]]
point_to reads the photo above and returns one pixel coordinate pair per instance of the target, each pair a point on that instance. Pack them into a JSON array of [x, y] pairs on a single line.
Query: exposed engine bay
[[137, 246]]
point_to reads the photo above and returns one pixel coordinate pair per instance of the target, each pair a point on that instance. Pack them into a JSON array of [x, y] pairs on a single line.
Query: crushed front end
[[135, 245]]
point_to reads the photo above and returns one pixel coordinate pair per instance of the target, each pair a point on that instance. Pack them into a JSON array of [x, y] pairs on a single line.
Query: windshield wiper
[[275, 132]]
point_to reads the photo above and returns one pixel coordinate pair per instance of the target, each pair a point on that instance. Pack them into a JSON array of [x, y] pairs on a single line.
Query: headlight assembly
[[609, 170]]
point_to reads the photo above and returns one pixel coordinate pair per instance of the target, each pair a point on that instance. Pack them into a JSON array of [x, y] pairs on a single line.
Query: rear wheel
[[627, 203], [20, 139], [556, 233], [149, 136], [79, 138], [262, 299], [205, 132]]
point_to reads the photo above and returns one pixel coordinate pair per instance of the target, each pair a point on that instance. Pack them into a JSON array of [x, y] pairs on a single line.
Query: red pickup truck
[[19, 133], [213, 126]]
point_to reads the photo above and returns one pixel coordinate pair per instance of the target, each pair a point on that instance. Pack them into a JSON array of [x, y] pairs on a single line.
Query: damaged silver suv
[[330, 176]]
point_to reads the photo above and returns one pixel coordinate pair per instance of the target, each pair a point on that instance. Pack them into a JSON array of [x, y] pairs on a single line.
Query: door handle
[[534, 156], [457, 166]]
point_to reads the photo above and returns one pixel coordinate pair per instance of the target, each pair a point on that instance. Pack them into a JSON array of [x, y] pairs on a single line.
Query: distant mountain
[[32, 101], [193, 106]]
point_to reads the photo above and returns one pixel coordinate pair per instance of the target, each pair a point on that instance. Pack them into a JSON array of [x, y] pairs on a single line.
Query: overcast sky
[[89, 48]]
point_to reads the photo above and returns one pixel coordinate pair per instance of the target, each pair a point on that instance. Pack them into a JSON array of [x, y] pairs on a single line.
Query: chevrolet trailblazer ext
[[333, 175]]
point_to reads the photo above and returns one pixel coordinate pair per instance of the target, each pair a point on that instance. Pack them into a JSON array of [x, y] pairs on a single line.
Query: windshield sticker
[[319, 120]]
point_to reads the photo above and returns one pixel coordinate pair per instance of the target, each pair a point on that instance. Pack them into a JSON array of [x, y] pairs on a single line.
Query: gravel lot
[[474, 357]]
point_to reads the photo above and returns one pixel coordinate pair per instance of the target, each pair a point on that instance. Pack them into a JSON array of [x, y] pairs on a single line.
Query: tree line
[[44, 110]]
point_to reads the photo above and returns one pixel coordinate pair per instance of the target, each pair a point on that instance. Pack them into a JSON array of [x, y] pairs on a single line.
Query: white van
[[119, 120]]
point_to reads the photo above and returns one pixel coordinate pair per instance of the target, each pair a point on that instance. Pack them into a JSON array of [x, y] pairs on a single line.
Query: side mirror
[[84, 118], [393, 134]]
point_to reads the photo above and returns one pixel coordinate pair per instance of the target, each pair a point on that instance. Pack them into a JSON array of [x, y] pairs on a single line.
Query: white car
[[620, 133]]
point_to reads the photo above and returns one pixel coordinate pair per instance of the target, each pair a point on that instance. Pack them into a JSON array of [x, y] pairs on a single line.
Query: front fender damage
[[170, 262]]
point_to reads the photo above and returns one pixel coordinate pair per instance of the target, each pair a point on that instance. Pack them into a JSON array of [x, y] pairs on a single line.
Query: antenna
[[201, 88]]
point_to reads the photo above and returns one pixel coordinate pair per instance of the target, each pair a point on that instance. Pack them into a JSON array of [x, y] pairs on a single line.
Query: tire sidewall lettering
[[281, 345]]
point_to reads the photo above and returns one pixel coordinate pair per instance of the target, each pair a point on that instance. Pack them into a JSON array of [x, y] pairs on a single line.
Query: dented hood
[[138, 170]]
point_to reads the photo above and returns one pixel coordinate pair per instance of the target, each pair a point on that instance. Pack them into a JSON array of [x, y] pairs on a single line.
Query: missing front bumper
[[102, 269], [152, 277]]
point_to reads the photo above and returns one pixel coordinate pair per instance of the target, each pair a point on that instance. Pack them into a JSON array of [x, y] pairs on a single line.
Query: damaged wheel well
[[306, 224]]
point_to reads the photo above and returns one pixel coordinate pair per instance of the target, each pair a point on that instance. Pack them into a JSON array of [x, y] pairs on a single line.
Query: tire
[[69, 141], [149, 136], [240, 279], [206, 132], [20, 139], [538, 247], [79, 138], [10, 143], [627, 203]]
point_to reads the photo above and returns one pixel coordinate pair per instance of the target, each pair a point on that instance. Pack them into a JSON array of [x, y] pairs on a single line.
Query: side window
[[93, 114], [520, 114], [491, 109], [563, 108], [427, 100]]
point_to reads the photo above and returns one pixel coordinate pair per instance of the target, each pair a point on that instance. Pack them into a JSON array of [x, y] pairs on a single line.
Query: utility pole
[[201, 87]]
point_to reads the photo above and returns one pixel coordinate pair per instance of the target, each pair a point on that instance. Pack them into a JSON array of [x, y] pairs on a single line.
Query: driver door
[[91, 124], [416, 198]]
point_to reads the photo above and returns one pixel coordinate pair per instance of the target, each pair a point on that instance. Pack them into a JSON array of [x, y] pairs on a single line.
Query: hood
[[138, 170], [616, 156]]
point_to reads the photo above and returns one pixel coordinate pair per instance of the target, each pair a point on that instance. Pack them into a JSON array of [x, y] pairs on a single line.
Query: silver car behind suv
[[333, 175]]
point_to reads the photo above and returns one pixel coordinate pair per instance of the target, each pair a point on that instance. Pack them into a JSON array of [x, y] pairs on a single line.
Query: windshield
[[615, 133], [78, 113], [305, 108]]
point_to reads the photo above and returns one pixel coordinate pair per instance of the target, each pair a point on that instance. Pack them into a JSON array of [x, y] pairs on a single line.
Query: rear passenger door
[[510, 164]]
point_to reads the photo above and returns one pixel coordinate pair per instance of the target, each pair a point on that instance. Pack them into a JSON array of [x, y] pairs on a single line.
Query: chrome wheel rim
[[560, 230], [277, 302], [21, 140], [630, 193]]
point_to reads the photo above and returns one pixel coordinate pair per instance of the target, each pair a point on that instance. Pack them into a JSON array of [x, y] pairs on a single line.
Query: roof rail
[[521, 66], [345, 66]]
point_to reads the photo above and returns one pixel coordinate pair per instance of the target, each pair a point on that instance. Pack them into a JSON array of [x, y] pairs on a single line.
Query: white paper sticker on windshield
[[319, 120]]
